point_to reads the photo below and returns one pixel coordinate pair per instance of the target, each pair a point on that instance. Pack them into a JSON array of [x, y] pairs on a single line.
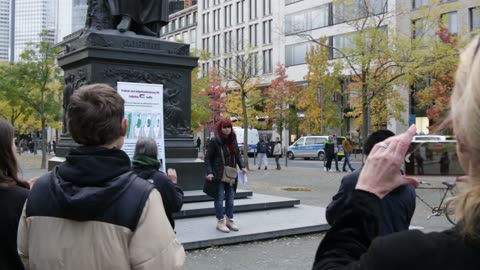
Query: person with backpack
[[262, 148], [92, 212]]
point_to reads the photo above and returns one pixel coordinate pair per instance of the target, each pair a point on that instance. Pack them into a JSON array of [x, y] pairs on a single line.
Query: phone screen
[[433, 158]]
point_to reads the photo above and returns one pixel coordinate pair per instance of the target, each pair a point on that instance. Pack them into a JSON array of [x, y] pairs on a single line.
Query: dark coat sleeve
[[335, 207], [210, 158], [238, 157], [351, 234], [172, 195]]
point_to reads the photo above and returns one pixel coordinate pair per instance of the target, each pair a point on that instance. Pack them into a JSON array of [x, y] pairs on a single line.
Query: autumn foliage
[[436, 98]]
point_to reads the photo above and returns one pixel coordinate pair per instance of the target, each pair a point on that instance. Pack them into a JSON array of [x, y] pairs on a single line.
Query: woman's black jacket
[[214, 164]]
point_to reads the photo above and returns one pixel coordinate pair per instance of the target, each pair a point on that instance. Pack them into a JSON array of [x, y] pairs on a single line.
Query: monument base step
[[192, 196], [200, 232], [259, 202]]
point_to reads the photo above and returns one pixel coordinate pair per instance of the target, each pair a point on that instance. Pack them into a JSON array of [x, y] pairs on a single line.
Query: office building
[[182, 27], [79, 12], [33, 17], [5, 29]]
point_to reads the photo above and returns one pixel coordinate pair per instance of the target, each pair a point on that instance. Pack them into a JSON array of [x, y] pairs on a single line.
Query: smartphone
[[433, 158]]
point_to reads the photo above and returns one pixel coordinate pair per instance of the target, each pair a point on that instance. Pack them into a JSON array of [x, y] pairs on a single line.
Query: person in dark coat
[[146, 165], [199, 143], [224, 142], [352, 242], [397, 207], [330, 153], [13, 194]]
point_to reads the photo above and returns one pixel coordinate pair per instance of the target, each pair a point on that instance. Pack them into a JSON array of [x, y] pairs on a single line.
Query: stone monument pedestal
[[109, 57]]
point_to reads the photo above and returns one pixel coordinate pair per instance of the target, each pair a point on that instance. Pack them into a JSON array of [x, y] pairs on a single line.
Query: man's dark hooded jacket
[[91, 212]]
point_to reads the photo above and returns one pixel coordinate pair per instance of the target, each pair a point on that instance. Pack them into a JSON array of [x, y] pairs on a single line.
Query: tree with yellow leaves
[[34, 84], [318, 99]]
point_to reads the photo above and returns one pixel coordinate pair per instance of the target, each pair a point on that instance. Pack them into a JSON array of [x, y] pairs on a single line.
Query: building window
[[240, 11], [239, 38], [307, 20], [267, 7], [450, 21], [267, 61], [227, 41], [227, 66], [253, 31], [474, 18], [419, 30], [228, 16], [206, 4], [206, 44], [340, 42], [216, 19], [295, 53], [216, 45], [193, 36], [253, 64], [194, 17], [352, 10], [418, 3], [206, 23], [267, 32], [253, 9]]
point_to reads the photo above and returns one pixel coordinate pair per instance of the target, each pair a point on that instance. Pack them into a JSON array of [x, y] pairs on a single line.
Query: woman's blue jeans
[[225, 192], [347, 162]]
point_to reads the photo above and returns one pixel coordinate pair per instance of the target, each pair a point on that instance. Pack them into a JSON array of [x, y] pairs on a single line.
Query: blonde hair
[[465, 107]]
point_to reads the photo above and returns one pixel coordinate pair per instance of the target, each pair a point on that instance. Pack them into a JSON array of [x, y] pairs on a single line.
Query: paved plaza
[[302, 179]]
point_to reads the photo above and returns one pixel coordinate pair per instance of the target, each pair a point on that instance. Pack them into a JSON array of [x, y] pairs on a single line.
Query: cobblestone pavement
[[312, 186]]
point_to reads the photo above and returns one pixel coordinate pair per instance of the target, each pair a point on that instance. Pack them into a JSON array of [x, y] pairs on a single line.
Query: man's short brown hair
[[95, 113]]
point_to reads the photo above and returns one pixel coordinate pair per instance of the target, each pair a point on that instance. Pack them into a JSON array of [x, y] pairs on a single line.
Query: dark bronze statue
[[144, 17]]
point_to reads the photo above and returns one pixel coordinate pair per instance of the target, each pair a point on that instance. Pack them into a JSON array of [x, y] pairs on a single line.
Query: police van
[[312, 147], [252, 140], [308, 147]]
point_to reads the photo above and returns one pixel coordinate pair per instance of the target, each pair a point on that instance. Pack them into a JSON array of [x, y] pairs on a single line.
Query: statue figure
[[144, 17]]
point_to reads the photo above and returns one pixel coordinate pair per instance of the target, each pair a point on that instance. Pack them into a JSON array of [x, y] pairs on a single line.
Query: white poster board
[[144, 112]]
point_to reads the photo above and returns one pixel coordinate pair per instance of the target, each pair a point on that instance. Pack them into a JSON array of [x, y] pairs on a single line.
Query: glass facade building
[[79, 14], [4, 29], [32, 17]]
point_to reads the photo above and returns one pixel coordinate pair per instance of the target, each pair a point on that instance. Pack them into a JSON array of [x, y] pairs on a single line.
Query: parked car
[[308, 147]]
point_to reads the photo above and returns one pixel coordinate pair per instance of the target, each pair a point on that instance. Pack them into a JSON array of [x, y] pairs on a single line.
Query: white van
[[252, 140], [308, 147]]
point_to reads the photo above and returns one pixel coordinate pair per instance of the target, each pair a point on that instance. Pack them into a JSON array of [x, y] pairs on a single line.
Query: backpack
[[262, 148]]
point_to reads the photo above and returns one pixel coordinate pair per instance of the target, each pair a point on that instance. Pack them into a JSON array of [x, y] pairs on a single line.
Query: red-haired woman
[[225, 141], [13, 193]]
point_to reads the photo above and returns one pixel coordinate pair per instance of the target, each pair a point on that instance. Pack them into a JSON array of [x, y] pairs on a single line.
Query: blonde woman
[[349, 245]]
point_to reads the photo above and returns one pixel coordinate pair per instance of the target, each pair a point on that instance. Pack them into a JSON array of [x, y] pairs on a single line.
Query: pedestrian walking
[[146, 165], [13, 194], [262, 148], [277, 152], [347, 150], [92, 212], [223, 151], [199, 143], [331, 153]]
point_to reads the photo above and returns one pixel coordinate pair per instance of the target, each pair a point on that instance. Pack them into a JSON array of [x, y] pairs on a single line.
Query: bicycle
[[445, 207]]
